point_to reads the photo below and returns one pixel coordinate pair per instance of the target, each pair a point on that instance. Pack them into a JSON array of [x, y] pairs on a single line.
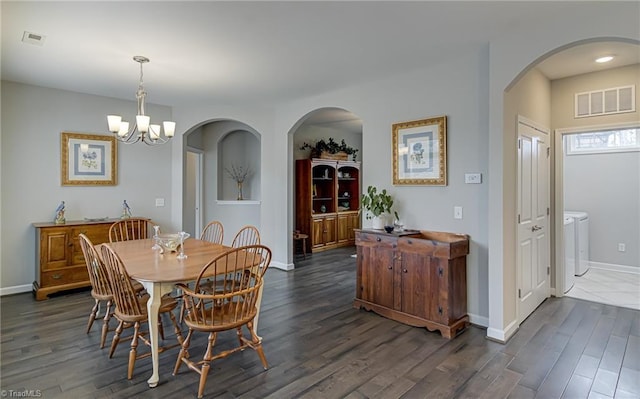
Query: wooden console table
[[60, 262], [415, 277]]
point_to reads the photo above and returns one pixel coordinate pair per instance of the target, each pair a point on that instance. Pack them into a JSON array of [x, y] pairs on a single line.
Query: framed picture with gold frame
[[420, 152], [88, 160]]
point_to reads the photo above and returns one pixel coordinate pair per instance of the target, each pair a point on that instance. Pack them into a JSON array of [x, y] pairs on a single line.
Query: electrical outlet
[[473, 178], [457, 212], [621, 247]]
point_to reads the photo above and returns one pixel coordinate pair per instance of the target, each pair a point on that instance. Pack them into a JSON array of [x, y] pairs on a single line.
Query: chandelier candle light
[[143, 130]]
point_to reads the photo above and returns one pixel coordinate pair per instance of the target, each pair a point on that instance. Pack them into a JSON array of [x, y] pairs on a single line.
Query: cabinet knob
[[440, 271], [378, 239], [56, 276], [70, 244], [404, 270], [389, 267], [409, 242], [439, 309]]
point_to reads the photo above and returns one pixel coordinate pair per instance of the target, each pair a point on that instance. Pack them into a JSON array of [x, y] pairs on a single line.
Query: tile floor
[[606, 286]]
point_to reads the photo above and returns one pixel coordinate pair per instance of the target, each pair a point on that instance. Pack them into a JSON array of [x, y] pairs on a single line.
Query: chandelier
[[143, 130]]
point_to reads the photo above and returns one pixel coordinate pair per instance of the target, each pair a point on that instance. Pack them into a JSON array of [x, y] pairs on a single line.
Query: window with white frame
[[617, 140]]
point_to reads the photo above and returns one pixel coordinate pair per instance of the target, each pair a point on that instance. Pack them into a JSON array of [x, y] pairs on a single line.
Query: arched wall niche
[[238, 152], [222, 143]]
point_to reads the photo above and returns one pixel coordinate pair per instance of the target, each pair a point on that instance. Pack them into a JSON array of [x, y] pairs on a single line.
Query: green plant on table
[[376, 203]]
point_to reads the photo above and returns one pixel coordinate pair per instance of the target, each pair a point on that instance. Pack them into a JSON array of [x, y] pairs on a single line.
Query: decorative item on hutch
[[59, 218], [126, 211], [329, 149]]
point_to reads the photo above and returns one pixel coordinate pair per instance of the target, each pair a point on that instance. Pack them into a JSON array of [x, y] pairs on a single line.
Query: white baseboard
[[615, 268], [283, 266], [18, 289], [502, 336], [478, 320]]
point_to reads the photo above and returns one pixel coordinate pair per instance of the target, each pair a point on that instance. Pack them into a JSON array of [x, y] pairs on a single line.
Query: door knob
[[536, 228]]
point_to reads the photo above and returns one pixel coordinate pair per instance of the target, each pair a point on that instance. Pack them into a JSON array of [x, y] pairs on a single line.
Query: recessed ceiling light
[[602, 60]]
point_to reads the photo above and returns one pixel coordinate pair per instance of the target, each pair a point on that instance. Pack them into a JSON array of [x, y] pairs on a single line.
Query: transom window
[[617, 140]]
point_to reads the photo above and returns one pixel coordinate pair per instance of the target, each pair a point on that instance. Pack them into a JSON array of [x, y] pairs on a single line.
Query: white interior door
[[532, 254], [192, 216]]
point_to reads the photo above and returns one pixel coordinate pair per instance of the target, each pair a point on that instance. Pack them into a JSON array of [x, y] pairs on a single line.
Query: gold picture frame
[[88, 160], [420, 152]]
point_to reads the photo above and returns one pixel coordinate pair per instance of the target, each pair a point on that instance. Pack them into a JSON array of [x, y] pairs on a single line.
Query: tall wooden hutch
[[327, 202]]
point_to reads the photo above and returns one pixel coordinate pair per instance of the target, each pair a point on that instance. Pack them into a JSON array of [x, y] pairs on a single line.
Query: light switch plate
[[473, 178], [159, 201], [457, 212]]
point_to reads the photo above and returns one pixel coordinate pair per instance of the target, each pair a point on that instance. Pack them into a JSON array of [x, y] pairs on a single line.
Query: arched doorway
[[321, 124], [530, 94], [224, 149]]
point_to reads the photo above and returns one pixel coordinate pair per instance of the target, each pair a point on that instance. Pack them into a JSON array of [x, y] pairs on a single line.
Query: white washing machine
[[581, 221], [569, 253]]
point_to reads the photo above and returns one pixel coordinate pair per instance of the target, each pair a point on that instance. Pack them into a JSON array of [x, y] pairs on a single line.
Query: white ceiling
[[262, 52]]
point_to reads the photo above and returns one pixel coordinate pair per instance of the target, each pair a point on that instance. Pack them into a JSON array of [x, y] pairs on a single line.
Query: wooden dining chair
[[131, 309], [100, 288], [131, 229], [248, 235], [213, 232], [231, 306]]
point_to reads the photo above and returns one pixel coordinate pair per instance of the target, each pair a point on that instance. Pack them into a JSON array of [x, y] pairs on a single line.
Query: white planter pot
[[378, 222]]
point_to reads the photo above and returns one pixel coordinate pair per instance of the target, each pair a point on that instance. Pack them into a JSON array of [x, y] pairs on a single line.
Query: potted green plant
[[378, 206], [325, 148]]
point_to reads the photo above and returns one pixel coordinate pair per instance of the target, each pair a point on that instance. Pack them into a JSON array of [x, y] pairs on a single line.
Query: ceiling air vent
[[615, 100], [33, 38]]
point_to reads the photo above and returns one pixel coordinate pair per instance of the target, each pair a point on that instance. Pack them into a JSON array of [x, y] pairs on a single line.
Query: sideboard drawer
[[68, 275]]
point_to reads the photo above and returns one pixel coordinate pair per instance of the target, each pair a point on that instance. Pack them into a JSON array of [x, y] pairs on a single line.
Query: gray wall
[[607, 186], [32, 121]]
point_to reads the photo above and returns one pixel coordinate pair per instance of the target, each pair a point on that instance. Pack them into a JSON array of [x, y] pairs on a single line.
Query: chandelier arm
[[157, 141]]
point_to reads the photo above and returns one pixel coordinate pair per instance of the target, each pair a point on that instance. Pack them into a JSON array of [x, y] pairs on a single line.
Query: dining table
[[158, 272]]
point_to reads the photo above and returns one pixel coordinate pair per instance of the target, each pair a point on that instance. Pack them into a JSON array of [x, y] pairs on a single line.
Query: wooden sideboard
[[415, 277], [60, 262]]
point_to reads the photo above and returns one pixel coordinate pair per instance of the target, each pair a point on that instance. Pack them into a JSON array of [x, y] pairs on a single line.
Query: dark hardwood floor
[[319, 346]]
